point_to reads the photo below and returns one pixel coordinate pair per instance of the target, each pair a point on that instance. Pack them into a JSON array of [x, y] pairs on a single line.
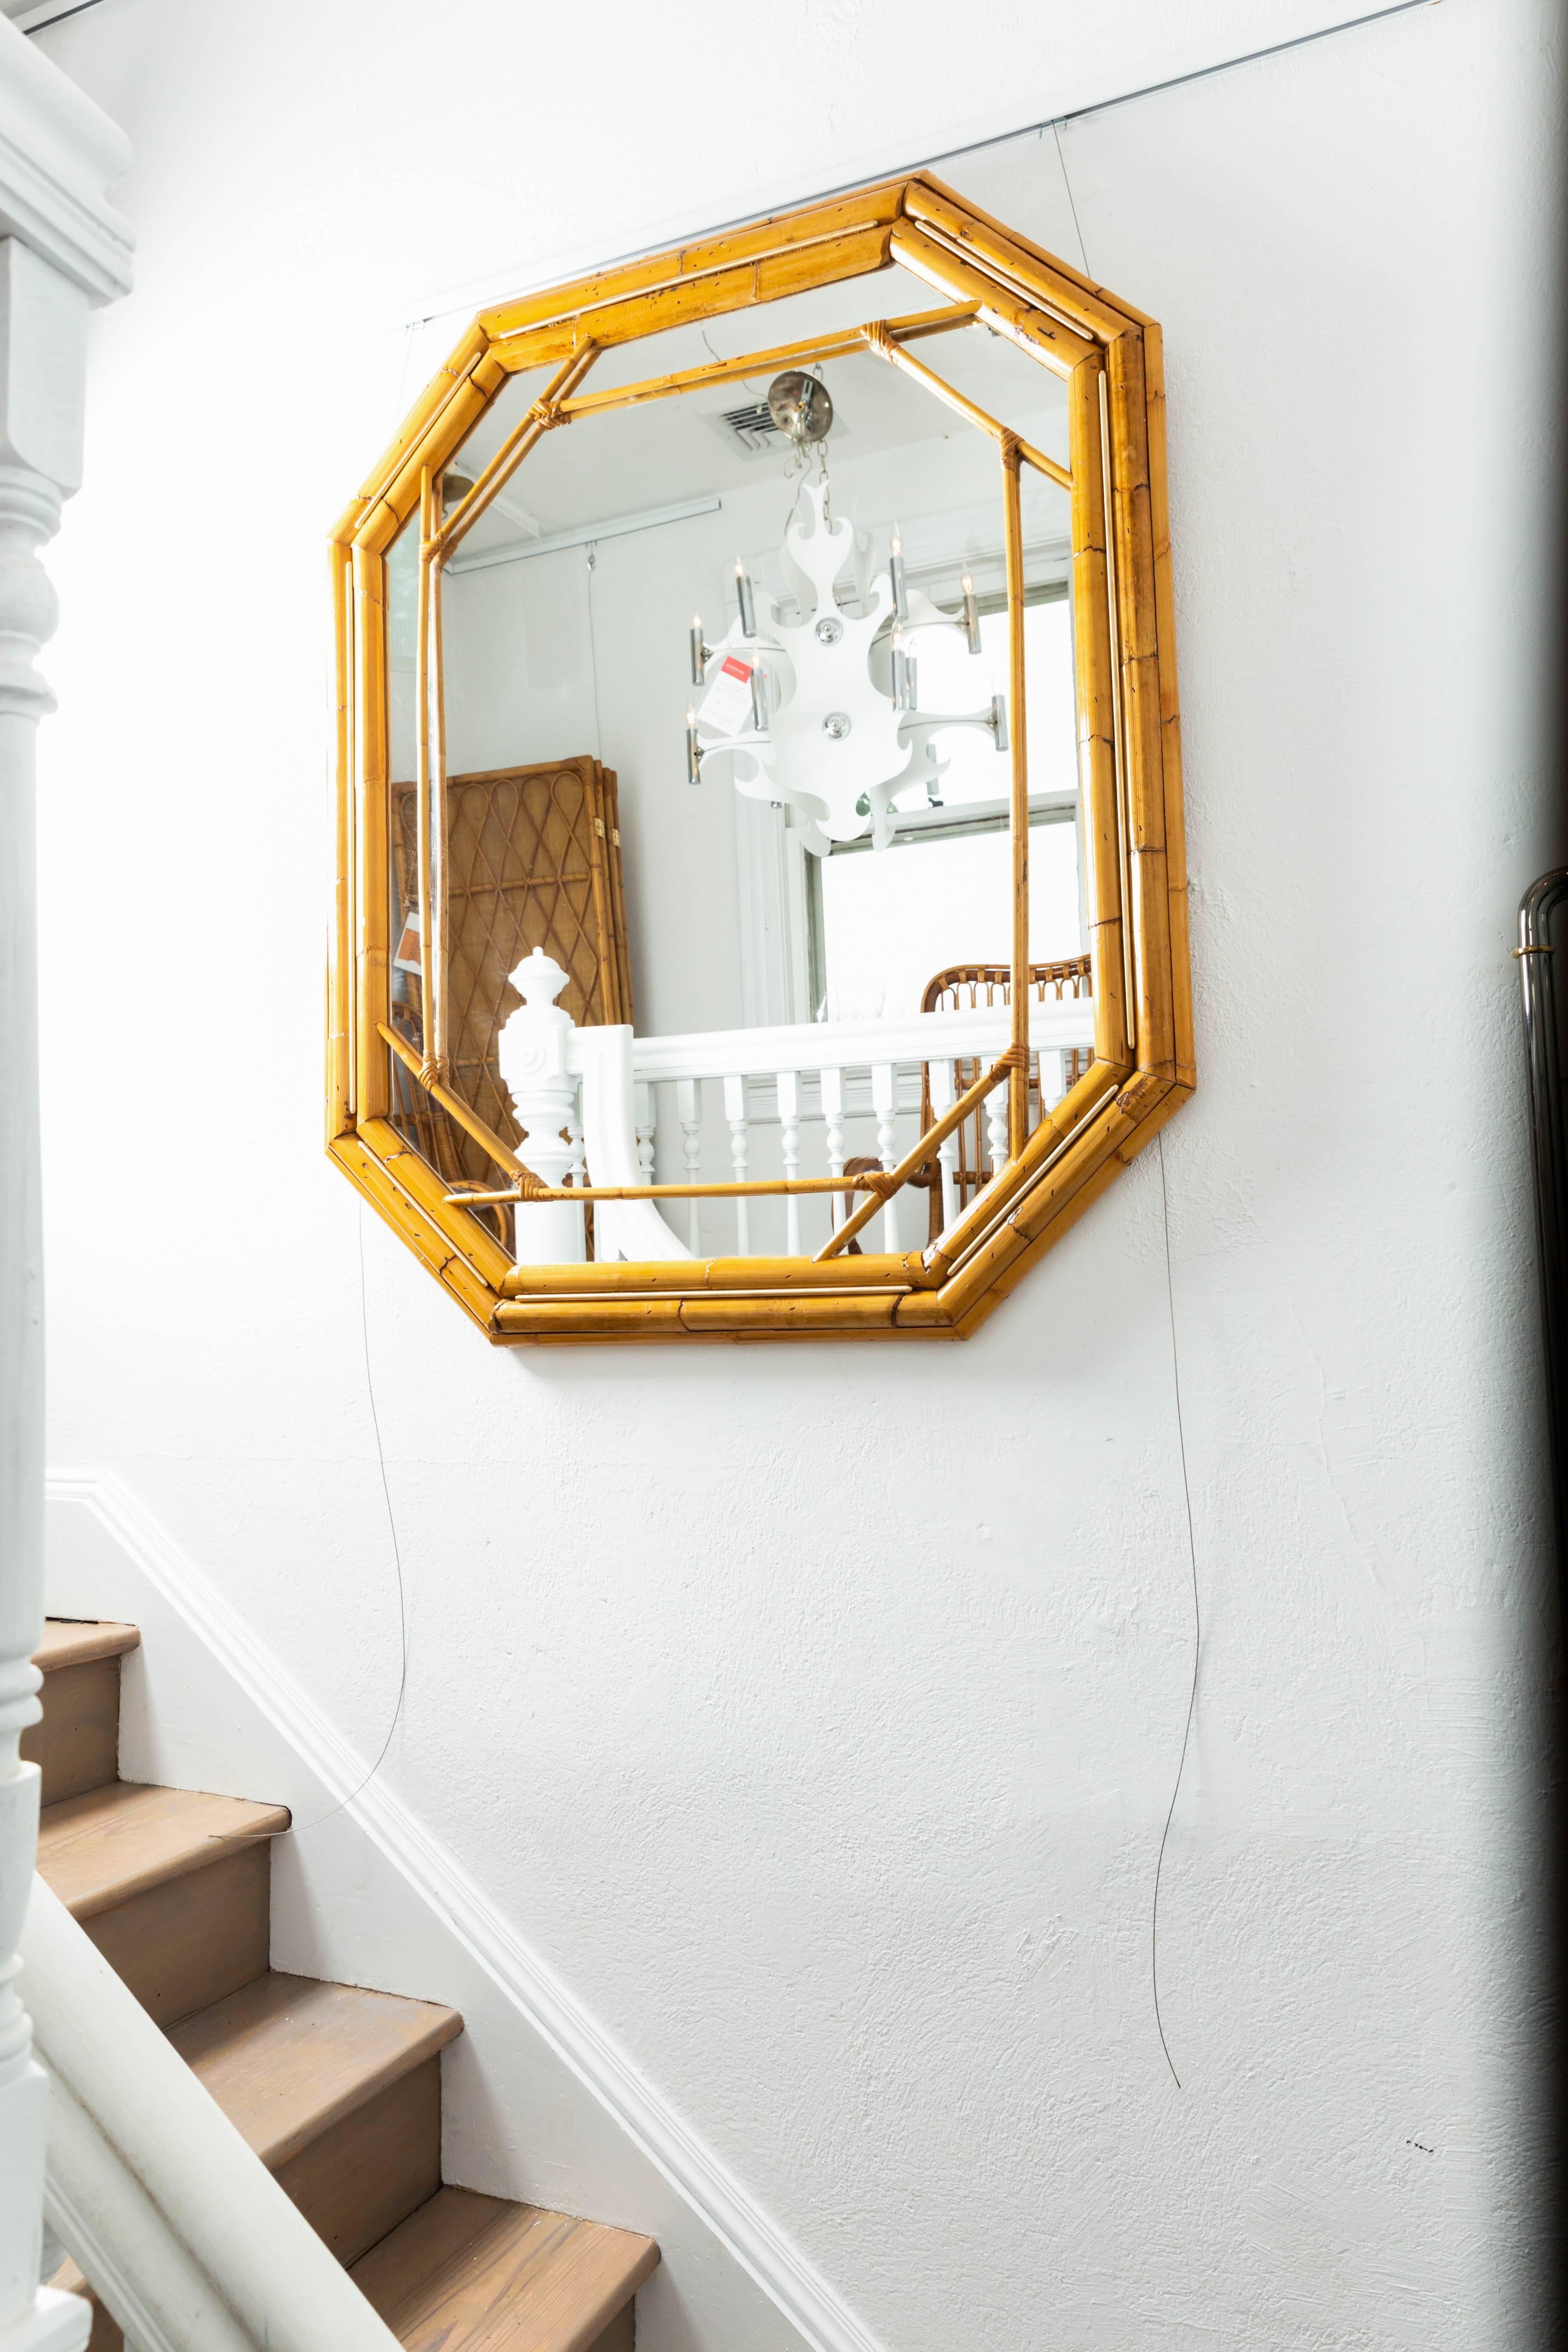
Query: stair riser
[[77, 1745], [185, 1944], [364, 2175]]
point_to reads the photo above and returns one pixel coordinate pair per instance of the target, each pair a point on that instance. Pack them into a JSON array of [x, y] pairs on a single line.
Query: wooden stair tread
[[286, 2057], [72, 1641], [471, 2274], [98, 1849]]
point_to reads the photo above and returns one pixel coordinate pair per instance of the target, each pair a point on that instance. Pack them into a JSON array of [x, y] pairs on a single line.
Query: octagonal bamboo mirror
[[761, 904]]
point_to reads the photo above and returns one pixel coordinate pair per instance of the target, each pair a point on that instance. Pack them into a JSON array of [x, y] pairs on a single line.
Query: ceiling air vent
[[749, 432], [752, 427]]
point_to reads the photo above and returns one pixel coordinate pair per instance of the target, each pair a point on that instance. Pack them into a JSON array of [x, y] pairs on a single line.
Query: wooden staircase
[[337, 2089]]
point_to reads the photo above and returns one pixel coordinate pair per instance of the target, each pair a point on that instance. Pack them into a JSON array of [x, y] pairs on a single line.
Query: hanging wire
[[1181, 1432], [1197, 1621]]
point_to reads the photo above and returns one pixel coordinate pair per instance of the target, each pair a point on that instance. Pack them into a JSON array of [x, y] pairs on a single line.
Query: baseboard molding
[[706, 2184]]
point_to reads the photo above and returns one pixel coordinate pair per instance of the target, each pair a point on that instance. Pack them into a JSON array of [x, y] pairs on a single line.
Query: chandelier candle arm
[[743, 598]]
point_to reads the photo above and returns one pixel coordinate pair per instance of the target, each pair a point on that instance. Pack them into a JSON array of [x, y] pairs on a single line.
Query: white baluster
[[577, 1163], [943, 1099], [884, 1102], [1053, 1078], [531, 1051], [689, 1103], [996, 1124], [788, 1084], [833, 1119], [735, 1112], [646, 1117]]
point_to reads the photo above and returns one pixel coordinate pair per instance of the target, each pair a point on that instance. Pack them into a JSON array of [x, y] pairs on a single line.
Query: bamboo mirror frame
[[1108, 357]]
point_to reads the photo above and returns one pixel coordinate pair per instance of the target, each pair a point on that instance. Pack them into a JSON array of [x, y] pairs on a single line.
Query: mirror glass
[[728, 712]]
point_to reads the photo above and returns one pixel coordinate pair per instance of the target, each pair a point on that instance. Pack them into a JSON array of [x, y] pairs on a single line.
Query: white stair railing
[[742, 1100], [65, 248], [184, 2233]]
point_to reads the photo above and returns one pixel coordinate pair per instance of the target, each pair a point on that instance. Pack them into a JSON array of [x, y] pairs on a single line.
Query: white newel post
[[62, 248], [532, 1051]]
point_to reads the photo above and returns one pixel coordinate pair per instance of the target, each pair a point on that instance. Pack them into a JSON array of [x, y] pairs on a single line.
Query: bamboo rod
[[415, 1176], [1035, 331], [1019, 734], [339, 1073], [589, 1317], [753, 1188], [1079, 1107], [1033, 276], [1134, 539], [1097, 719], [879, 335], [422, 863], [599, 887], [371, 892], [1050, 1230], [433, 955], [873, 207], [879, 1183], [1170, 710], [882, 1270], [472, 1124], [542, 414], [1072, 282], [919, 323], [1118, 692], [448, 380], [684, 301], [425, 1235], [400, 498], [890, 1181], [1047, 1198], [850, 1311]]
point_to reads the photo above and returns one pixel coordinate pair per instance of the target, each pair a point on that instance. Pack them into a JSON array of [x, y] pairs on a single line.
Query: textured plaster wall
[[815, 1712]]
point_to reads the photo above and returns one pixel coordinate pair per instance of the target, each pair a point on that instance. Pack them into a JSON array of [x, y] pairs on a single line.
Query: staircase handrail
[[806, 1046]]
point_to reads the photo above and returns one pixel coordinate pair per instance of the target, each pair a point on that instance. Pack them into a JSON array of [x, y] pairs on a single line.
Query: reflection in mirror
[[724, 714]]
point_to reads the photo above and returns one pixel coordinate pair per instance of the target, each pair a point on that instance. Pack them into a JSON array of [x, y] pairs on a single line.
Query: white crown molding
[[60, 155], [805, 2297]]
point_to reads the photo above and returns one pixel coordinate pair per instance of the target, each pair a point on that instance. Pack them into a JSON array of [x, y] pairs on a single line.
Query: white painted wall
[[814, 1713]]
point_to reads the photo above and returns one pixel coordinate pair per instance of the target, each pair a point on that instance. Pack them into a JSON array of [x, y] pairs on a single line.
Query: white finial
[[538, 980]]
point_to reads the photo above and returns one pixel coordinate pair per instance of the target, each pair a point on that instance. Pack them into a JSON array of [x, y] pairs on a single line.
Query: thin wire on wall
[[1181, 1427], [1197, 1622]]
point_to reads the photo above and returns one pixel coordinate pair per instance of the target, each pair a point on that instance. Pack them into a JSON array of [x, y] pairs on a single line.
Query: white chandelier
[[794, 704]]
